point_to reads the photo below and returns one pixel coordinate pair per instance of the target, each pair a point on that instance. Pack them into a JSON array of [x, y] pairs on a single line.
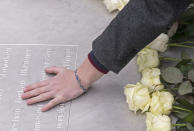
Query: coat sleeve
[[140, 22]]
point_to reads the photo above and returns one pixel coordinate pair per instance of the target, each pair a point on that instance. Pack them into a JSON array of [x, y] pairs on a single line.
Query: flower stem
[[186, 42], [179, 125], [175, 89], [180, 108], [172, 59], [164, 90], [176, 111], [181, 45]]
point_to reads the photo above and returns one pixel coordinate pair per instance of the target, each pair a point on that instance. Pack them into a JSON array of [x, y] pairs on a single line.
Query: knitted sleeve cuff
[[97, 64]]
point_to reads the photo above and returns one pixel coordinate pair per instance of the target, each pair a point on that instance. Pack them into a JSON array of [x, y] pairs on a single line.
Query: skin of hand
[[62, 87]]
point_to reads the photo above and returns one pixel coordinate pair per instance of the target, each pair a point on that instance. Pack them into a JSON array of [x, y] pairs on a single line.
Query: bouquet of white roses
[[169, 91], [162, 92]]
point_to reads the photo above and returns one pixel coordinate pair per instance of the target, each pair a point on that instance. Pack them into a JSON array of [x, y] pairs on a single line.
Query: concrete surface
[[38, 33]]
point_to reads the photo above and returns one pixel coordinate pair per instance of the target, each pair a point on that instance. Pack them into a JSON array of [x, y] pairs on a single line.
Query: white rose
[[147, 58], [151, 78], [160, 43], [112, 5], [158, 122], [173, 29], [137, 97], [161, 102]]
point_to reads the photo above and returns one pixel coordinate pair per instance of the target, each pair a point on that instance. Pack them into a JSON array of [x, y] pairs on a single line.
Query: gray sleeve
[[133, 28]]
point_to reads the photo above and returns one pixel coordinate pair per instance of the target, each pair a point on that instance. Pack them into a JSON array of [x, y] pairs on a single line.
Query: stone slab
[[24, 64]]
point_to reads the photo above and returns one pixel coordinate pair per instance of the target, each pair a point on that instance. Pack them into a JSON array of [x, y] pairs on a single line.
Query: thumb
[[53, 69]]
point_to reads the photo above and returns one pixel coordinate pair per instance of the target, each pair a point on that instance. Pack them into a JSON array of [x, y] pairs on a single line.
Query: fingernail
[[28, 102], [43, 110], [23, 96]]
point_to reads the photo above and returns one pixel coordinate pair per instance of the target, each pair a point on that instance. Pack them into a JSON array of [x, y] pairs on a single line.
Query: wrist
[[79, 82], [84, 80], [88, 74]]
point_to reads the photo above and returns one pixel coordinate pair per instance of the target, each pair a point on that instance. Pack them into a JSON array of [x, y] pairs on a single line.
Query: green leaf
[[182, 129], [180, 114], [185, 55], [189, 118], [183, 62], [185, 104], [185, 31], [187, 15], [186, 68], [190, 127], [191, 75], [172, 75], [185, 88], [189, 30]]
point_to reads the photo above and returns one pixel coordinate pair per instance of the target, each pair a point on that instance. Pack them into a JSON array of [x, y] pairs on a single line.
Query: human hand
[[60, 88]]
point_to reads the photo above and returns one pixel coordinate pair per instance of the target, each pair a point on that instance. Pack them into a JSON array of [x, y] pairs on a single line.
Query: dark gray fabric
[[133, 28]]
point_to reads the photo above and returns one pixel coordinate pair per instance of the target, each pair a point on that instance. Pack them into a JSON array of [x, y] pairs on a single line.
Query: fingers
[[53, 103], [41, 97], [53, 69], [35, 92], [36, 85]]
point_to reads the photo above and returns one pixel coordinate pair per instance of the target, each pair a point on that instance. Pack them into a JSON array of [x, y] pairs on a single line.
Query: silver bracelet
[[77, 78]]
